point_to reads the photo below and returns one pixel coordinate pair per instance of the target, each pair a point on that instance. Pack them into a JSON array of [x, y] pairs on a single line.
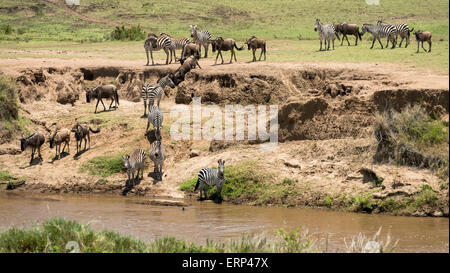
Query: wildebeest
[[58, 137], [186, 66], [220, 44], [35, 141], [81, 131], [423, 36], [255, 43], [190, 50], [348, 29], [103, 91]]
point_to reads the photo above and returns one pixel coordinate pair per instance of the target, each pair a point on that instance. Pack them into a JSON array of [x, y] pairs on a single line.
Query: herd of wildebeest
[[190, 54]]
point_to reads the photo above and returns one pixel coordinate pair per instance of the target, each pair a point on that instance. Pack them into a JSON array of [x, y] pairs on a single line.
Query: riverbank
[[325, 157]]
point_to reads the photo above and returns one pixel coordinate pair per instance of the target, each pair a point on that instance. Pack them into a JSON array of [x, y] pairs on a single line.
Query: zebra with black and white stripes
[[155, 117], [177, 44], [201, 37], [151, 92], [157, 155], [401, 29], [209, 177], [380, 31], [158, 43], [133, 162], [327, 33]]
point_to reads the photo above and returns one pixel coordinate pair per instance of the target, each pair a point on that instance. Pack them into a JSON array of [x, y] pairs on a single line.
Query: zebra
[[157, 155], [177, 44], [326, 32], [155, 91], [208, 177], [378, 32], [133, 162], [394, 39], [401, 29], [157, 43], [202, 37], [155, 117], [35, 141]]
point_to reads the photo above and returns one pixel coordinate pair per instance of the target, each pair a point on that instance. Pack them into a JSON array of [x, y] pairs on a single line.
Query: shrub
[[9, 109], [6, 29], [128, 34]]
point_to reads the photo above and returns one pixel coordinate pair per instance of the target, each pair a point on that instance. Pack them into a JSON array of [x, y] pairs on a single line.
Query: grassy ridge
[[283, 19]]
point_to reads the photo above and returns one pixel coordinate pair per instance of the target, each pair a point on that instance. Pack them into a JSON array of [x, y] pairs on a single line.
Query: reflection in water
[[218, 221]]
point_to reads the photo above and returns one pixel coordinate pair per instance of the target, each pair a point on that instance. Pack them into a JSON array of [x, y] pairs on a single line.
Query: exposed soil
[[326, 113]]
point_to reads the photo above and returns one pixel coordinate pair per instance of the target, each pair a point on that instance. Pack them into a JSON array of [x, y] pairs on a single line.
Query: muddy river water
[[203, 220]]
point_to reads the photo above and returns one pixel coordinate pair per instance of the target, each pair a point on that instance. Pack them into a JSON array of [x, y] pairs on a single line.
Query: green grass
[[53, 235], [6, 176], [104, 166], [287, 25]]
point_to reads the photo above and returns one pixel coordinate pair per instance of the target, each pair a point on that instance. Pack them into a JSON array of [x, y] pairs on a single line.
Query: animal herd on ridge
[[190, 54]]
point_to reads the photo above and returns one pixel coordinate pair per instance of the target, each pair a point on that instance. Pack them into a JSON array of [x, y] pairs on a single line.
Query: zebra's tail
[[94, 131], [116, 94], [196, 185], [238, 48]]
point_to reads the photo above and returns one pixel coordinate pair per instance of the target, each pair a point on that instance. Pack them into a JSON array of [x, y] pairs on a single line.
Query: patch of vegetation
[[412, 137], [6, 176], [362, 203], [6, 29], [128, 34], [104, 166], [9, 109], [53, 236]]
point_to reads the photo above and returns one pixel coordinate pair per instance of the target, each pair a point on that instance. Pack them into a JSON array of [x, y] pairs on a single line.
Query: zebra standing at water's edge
[[157, 155], [133, 162], [177, 44], [401, 29], [326, 32], [380, 31], [155, 117], [201, 37], [209, 177], [151, 92], [157, 43]]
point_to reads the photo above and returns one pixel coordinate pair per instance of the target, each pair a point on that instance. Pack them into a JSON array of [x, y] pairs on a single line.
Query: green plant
[[104, 166], [130, 34], [362, 203]]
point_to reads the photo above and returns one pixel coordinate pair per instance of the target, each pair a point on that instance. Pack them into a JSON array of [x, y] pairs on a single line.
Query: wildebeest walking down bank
[[208, 177], [326, 32], [103, 92], [81, 131], [220, 44], [255, 43], [60, 136], [423, 36], [348, 29], [35, 141]]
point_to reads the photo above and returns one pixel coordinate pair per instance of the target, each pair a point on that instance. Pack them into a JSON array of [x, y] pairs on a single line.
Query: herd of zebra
[[329, 32]]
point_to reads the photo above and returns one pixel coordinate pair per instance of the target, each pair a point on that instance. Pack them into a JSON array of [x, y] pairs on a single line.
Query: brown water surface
[[204, 220]]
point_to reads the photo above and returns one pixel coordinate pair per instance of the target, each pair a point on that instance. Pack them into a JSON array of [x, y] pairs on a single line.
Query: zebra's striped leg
[[380, 43], [145, 107], [320, 45]]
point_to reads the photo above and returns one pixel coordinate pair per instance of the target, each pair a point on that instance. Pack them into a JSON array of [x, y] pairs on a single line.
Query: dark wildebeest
[[186, 66], [35, 141], [190, 49], [348, 29], [81, 131], [255, 43], [103, 91], [60, 136], [423, 36], [220, 44]]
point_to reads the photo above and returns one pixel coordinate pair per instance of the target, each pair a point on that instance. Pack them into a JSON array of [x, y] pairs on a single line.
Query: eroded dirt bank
[[326, 114]]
